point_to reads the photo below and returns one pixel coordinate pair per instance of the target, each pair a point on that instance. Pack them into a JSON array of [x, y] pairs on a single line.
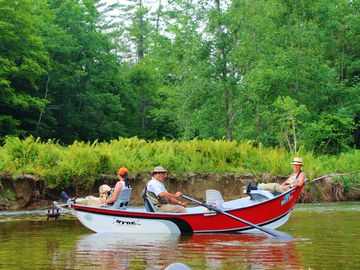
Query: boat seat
[[260, 195], [214, 198], [123, 200], [149, 206]]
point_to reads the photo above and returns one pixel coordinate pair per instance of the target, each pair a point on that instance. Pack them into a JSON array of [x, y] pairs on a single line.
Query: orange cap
[[122, 171]]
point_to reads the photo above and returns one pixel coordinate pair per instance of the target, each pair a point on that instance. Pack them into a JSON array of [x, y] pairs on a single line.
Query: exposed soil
[[31, 192]]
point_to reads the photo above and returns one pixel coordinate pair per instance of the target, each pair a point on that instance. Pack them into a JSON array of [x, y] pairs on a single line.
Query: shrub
[[80, 163]]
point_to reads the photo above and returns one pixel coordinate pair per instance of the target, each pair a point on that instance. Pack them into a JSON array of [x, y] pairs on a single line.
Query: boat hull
[[268, 214], [122, 224]]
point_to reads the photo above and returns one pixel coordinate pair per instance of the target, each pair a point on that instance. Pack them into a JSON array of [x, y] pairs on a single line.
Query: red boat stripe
[[183, 226], [246, 228]]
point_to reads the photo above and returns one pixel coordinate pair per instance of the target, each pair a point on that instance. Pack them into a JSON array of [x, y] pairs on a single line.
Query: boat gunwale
[[161, 215]]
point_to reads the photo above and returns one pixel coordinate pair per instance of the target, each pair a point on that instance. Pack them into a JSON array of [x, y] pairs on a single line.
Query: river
[[326, 236]]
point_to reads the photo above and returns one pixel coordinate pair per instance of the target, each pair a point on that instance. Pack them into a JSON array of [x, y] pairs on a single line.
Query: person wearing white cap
[[89, 200], [297, 178], [163, 200]]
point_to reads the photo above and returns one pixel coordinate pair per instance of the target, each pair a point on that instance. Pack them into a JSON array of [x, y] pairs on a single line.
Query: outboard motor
[[53, 213]]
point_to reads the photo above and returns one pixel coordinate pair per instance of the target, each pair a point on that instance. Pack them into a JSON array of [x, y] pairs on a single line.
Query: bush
[[80, 163], [7, 195]]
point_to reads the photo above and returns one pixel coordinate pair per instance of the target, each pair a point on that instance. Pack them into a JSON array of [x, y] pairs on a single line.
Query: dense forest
[[278, 72]]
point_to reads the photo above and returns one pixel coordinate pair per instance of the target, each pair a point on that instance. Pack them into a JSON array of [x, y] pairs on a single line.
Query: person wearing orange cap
[[107, 195], [297, 178], [123, 182]]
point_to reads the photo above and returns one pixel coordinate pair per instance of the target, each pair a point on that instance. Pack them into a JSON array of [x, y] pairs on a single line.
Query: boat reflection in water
[[131, 251], [243, 251], [201, 251]]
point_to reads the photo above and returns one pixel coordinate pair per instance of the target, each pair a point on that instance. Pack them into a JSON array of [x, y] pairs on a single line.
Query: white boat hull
[[110, 224]]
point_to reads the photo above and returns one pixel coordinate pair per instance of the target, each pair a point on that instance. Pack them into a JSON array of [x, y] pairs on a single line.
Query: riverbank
[[33, 172], [29, 192]]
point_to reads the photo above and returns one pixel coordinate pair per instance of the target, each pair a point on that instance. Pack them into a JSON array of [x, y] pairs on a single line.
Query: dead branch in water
[[334, 175]]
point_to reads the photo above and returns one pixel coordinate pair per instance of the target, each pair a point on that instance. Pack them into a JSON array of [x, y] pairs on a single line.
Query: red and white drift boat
[[261, 208]]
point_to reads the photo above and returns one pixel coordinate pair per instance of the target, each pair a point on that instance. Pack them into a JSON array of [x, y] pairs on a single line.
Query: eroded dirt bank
[[30, 192]]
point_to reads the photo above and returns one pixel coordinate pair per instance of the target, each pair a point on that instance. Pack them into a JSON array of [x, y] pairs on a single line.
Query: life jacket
[[156, 200], [295, 178], [123, 200], [111, 192]]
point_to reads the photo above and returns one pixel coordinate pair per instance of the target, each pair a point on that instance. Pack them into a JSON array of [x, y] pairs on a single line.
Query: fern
[[80, 163]]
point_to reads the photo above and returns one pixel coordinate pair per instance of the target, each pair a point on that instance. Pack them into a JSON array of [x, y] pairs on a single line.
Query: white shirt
[[156, 186], [295, 177], [122, 183]]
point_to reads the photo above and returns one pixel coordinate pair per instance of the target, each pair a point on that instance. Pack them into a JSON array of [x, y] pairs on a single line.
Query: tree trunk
[[222, 58], [140, 40], [41, 113]]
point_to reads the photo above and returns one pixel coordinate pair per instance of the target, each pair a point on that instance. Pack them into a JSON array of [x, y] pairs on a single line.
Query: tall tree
[[23, 60], [85, 89], [136, 27], [203, 77]]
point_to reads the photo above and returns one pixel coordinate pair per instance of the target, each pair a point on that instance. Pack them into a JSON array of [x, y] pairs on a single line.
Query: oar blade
[[278, 234]]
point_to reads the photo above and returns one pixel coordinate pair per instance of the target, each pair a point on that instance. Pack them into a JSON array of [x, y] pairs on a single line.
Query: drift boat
[[262, 209]]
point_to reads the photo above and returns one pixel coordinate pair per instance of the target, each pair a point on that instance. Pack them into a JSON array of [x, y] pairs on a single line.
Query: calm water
[[326, 236]]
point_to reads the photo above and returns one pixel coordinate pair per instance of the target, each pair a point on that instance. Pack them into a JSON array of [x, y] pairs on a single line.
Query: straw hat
[[297, 161], [158, 169]]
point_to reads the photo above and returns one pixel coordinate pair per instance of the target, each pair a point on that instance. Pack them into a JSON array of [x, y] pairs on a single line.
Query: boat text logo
[[125, 222], [287, 198]]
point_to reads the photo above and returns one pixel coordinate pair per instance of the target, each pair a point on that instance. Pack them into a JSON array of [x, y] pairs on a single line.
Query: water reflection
[[206, 251], [246, 251], [117, 251], [326, 237]]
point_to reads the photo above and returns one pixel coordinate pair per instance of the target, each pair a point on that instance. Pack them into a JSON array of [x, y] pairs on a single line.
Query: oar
[[265, 230]]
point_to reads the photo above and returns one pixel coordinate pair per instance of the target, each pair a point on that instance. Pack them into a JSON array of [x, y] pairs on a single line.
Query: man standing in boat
[[163, 200], [297, 178]]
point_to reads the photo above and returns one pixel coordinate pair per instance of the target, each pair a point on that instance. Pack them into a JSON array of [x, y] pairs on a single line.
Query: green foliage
[[80, 163], [20, 154], [277, 73], [83, 79], [347, 182], [7, 195], [22, 63], [331, 134], [345, 162], [286, 116]]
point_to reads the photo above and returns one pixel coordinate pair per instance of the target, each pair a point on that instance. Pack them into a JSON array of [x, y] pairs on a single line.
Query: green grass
[[7, 195], [80, 163]]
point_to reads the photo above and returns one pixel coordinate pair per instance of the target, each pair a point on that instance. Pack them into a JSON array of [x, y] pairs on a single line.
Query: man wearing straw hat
[[163, 200], [297, 178]]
